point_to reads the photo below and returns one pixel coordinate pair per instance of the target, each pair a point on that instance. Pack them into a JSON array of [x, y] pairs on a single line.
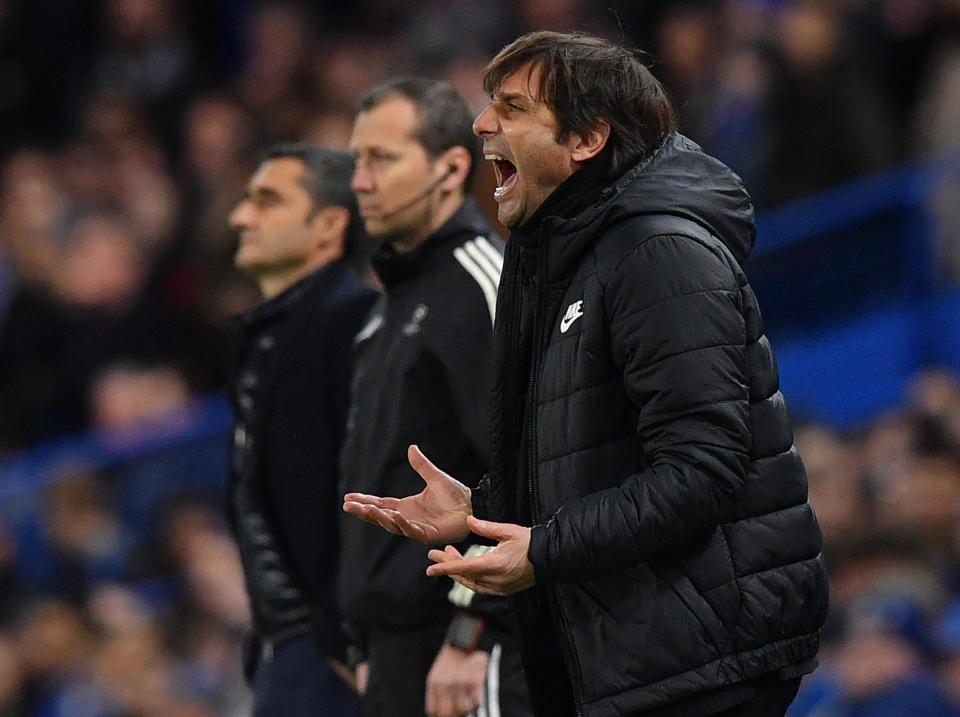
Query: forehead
[[392, 122], [524, 81], [279, 174]]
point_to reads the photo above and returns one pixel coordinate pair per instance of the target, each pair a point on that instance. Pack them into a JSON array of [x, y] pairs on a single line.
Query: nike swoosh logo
[[574, 312]]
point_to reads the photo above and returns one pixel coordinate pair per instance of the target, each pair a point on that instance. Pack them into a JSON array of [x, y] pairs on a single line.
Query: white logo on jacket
[[413, 326], [574, 312]]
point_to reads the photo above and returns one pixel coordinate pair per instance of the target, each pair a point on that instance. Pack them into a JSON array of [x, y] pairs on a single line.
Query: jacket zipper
[[539, 302], [532, 403]]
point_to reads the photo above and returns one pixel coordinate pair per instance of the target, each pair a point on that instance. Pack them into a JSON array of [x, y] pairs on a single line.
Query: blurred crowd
[[128, 129], [123, 149], [888, 500]]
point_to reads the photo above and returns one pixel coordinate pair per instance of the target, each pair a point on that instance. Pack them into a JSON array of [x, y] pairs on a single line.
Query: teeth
[[498, 192], [494, 157]]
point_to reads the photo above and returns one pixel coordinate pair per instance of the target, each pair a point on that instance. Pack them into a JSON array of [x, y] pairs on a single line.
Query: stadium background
[[127, 131]]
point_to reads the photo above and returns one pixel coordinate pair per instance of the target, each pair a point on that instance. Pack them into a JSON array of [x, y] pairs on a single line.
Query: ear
[[330, 228], [591, 143], [453, 166]]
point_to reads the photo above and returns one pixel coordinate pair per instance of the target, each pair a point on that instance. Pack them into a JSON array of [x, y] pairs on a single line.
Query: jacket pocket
[[695, 603]]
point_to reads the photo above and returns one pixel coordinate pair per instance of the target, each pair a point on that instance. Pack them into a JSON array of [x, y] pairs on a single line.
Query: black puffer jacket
[[673, 538]]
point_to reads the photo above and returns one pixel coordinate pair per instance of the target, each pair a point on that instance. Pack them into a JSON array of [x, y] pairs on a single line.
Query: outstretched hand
[[502, 571], [437, 514]]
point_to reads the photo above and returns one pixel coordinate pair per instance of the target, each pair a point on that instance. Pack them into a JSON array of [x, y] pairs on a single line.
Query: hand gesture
[[501, 571], [437, 514]]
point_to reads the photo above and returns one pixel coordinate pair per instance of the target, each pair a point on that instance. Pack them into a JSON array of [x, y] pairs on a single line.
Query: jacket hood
[[680, 179]]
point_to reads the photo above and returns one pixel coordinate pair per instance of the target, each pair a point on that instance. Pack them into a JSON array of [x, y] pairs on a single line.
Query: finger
[[423, 465], [464, 703], [363, 498], [476, 692], [442, 556], [376, 516], [414, 529], [438, 556], [483, 565], [477, 587], [444, 703], [489, 529]]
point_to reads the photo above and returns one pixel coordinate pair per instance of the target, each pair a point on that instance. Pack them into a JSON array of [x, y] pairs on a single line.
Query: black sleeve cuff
[[539, 553], [478, 499]]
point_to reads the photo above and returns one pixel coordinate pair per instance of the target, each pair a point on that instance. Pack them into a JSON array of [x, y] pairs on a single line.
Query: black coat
[[672, 536], [422, 376], [299, 426]]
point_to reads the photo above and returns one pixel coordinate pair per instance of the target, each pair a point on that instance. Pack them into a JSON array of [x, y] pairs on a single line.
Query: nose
[[240, 217], [362, 182], [486, 122]]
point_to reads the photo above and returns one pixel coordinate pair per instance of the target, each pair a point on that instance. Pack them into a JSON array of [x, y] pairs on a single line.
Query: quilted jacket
[[639, 428]]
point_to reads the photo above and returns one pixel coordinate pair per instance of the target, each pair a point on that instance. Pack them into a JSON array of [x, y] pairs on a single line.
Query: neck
[[446, 206]]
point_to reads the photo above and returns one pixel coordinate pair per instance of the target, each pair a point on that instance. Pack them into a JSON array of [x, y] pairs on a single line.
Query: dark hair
[[585, 80], [327, 177], [443, 118]]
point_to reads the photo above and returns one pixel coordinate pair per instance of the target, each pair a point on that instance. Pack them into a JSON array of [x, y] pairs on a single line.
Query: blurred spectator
[[83, 541], [145, 57], [96, 303], [55, 646], [881, 669], [827, 121], [124, 396], [275, 84], [836, 490], [11, 678]]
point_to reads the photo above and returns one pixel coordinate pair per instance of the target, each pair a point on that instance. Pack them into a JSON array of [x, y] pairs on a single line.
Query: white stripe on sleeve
[[483, 261], [487, 248], [480, 276]]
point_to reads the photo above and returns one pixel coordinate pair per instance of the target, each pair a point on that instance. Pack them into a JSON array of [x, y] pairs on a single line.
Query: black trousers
[[400, 660]]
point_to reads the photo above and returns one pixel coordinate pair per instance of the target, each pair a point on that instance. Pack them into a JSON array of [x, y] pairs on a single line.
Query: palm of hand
[[440, 509], [437, 514]]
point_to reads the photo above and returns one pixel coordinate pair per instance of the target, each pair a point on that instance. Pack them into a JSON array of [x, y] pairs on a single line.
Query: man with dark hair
[[422, 370], [649, 508], [298, 230]]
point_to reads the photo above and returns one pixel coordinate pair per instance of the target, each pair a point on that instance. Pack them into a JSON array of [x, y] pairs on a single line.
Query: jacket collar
[[572, 235], [576, 193], [283, 303], [394, 267]]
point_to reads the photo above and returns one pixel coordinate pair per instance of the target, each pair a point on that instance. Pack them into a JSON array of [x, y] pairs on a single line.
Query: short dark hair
[[585, 80], [327, 177], [443, 118]]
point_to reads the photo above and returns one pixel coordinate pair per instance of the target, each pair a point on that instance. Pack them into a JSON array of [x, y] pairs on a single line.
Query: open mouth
[[506, 173]]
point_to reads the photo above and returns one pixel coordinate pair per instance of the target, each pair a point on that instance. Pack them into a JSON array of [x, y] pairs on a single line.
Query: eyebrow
[[510, 96], [265, 192]]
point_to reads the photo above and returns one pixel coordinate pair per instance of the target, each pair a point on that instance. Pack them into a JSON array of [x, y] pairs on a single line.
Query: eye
[[265, 201]]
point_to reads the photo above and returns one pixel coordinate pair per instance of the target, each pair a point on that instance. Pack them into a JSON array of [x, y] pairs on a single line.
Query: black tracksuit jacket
[[638, 426], [422, 375]]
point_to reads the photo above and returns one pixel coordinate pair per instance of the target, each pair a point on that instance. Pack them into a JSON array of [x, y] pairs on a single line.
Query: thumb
[[489, 529], [422, 465]]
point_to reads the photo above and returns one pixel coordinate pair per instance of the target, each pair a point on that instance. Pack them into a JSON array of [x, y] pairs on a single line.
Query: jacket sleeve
[[678, 335]]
